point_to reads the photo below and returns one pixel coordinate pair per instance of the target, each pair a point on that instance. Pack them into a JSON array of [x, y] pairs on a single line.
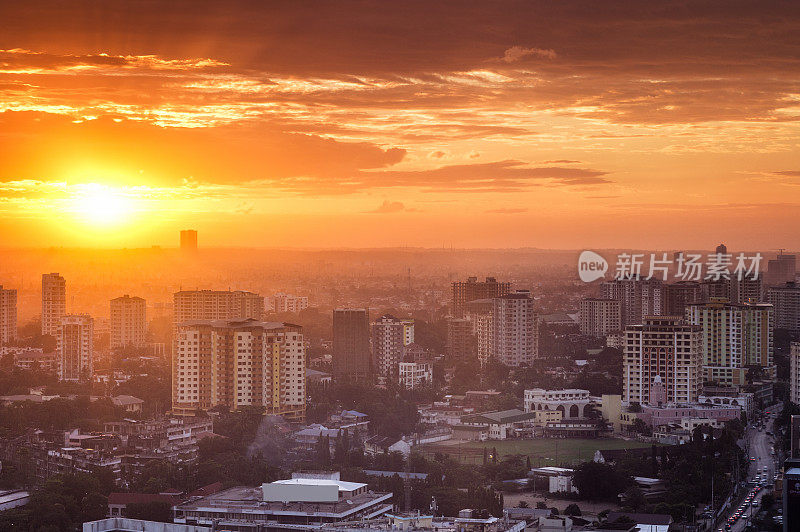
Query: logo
[[591, 266]]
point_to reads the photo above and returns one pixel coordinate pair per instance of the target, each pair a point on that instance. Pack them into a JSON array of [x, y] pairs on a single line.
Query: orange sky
[[365, 124]]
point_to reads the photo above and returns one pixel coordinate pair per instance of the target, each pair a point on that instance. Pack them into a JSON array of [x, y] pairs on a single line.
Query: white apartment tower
[[389, 336], [734, 338], [600, 317], [515, 339], [216, 305], [74, 348], [239, 363], [128, 322], [54, 302], [664, 348], [8, 315]]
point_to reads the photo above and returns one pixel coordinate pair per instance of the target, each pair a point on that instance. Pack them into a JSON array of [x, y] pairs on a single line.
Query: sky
[[380, 124]]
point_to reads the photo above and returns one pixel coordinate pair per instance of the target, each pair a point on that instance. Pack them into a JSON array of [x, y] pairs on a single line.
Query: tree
[[541, 506], [572, 510], [596, 481], [150, 511], [522, 504]]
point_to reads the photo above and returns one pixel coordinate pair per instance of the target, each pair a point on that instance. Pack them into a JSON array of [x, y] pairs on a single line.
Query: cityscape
[[418, 267]]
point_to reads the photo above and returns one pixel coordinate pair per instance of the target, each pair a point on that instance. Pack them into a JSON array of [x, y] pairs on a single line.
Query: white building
[[54, 302], [389, 336], [734, 337], [571, 403], [665, 347], [75, 349], [8, 315], [414, 374], [128, 322], [600, 317], [239, 363], [515, 336], [288, 303]]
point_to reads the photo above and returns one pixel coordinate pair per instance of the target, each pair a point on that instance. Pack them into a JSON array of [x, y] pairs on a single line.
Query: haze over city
[[363, 266]]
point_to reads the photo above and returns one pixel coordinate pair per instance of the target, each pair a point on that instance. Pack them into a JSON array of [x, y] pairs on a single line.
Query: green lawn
[[543, 452]]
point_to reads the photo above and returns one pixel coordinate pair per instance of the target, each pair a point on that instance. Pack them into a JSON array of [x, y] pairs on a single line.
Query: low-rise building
[[571, 403], [305, 500], [414, 374], [502, 424]]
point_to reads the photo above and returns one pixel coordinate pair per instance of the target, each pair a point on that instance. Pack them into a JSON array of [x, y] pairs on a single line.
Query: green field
[[543, 452]]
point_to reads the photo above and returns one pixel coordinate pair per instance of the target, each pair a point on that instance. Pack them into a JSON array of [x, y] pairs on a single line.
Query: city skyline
[[621, 125]]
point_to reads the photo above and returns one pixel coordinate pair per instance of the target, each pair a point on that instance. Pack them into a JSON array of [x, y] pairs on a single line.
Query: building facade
[[288, 303], [734, 337], [351, 350], [412, 375], [239, 363], [8, 315], [665, 349], [75, 349], [128, 322], [189, 240], [460, 340], [472, 289], [216, 305], [572, 403], [638, 298], [785, 299], [794, 373], [389, 336], [54, 302], [515, 339], [600, 317]]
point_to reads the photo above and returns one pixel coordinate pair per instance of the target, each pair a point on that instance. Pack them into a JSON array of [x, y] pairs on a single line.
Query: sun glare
[[100, 205]]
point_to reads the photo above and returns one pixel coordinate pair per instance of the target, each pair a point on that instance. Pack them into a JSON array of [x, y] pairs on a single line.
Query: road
[[759, 445]]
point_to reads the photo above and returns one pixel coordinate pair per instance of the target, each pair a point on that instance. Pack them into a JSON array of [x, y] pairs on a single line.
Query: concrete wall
[[300, 492]]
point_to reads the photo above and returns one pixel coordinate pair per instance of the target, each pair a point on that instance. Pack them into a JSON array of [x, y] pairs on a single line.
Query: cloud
[[499, 176], [515, 53], [507, 211], [388, 207]]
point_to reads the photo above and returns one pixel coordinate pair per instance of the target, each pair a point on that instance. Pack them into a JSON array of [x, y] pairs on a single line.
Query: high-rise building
[[8, 315], [128, 322], [664, 350], [288, 303], [735, 337], [216, 305], [794, 373], [389, 337], [781, 269], [75, 348], [638, 298], [239, 363], [680, 294], [351, 352], [54, 302], [786, 301], [600, 317], [748, 289], [472, 289], [188, 240], [460, 340], [515, 333]]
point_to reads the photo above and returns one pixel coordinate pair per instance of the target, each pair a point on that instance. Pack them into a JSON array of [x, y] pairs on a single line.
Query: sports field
[[543, 452]]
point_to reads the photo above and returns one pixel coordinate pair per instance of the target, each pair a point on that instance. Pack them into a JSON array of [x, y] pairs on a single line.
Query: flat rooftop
[[250, 500]]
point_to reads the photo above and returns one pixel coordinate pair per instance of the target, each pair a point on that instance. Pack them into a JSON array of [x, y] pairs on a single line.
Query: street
[[759, 446]]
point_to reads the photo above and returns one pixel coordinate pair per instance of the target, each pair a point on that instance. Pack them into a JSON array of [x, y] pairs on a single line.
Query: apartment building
[[600, 317], [664, 349], [515, 339], [54, 302], [75, 348], [128, 322], [239, 363], [8, 315]]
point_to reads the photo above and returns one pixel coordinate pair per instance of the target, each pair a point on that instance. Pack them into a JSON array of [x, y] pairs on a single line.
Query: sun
[[101, 205]]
